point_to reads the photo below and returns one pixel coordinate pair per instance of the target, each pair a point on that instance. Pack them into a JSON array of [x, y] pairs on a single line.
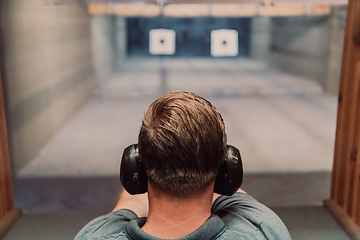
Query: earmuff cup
[[132, 172], [134, 180], [230, 175]]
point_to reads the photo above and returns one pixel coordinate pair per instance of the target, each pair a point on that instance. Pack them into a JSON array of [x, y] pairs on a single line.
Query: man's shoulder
[[247, 217], [118, 236], [111, 225]]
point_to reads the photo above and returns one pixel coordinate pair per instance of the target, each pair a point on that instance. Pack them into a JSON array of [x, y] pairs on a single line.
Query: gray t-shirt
[[236, 217]]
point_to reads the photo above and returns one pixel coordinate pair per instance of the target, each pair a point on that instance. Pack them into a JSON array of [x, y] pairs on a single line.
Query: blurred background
[[78, 77]]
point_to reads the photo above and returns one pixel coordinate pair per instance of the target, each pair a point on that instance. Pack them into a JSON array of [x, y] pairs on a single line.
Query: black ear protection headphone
[[134, 180]]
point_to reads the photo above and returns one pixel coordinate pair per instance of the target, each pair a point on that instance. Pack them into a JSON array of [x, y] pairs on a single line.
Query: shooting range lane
[[280, 122]]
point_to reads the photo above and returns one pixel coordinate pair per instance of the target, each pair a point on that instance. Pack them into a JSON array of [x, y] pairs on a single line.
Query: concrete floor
[[281, 123]]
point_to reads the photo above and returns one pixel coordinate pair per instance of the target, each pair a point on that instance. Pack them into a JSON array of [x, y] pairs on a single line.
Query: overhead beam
[[186, 10], [98, 8], [138, 9], [281, 10], [233, 10], [321, 2], [319, 9], [214, 10]]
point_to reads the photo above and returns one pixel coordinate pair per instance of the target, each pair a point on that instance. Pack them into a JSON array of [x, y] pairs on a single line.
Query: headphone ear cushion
[[132, 172], [230, 175]]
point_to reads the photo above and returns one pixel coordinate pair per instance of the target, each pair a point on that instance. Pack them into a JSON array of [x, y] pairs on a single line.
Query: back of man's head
[[182, 143]]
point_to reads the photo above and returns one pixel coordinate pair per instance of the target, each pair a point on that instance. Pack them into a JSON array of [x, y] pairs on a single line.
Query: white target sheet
[[162, 41], [224, 43]]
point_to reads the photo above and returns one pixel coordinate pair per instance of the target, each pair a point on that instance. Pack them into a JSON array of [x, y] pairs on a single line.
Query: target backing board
[[162, 41], [224, 43]]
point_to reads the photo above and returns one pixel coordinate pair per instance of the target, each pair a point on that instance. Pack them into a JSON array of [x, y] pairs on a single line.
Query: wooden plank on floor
[[9, 221], [343, 219]]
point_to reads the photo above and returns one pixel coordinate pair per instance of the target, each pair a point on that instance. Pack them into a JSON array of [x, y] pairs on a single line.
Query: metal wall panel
[[47, 70]]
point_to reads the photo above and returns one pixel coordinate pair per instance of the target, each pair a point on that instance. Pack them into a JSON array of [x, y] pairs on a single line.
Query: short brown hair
[[182, 142]]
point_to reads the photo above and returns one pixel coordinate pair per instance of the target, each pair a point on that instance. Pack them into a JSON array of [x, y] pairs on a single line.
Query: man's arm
[[137, 203]]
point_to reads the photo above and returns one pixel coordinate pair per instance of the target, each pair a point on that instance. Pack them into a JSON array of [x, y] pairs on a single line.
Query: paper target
[[224, 43], [162, 41]]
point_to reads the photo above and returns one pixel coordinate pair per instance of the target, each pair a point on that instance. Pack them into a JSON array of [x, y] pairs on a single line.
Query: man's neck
[[174, 218]]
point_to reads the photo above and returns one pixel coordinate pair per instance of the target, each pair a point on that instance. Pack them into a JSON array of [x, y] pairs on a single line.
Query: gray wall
[[108, 44], [308, 46], [121, 39], [260, 38], [103, 46], [47, 70], [298, 45], [336, 32]]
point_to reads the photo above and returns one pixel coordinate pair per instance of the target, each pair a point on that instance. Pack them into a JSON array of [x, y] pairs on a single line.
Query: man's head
[[182, 143]]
